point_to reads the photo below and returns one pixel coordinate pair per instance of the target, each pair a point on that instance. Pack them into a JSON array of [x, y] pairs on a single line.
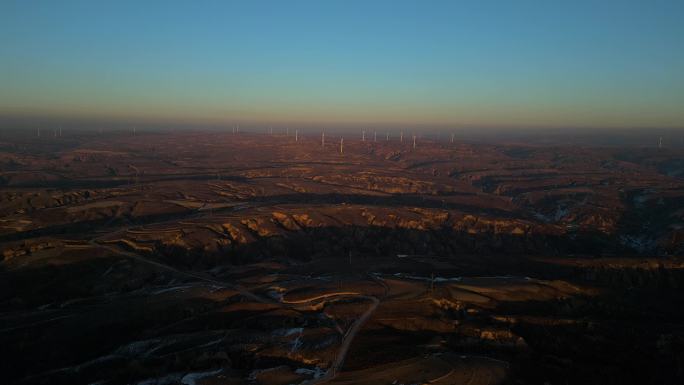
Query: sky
[[504, 64]]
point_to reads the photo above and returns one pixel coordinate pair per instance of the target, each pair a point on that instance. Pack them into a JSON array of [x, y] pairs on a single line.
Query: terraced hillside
[[214, 258]]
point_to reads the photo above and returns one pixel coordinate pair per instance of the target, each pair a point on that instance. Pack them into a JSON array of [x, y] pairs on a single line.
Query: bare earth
[[219, 258]]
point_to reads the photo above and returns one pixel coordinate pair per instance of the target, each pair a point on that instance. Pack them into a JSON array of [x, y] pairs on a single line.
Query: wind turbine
[[401, 137], [414, 141], [363, 135], [341, 145], [323, 139]]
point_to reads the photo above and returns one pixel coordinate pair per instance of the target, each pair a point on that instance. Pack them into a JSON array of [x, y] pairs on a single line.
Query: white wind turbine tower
[[375, 136], [660, 142], [341, 145], [133, 130], [414, 141], [363, 135], [387, 137], [296, 135], [39, 132], [452, 137], [323, 139], [401, 137]]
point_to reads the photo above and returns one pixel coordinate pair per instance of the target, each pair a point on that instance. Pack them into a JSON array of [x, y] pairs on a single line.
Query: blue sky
[[475, 63]]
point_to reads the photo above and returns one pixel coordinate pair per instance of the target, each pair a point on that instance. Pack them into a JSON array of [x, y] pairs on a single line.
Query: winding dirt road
[[346, 343], [347, 339]]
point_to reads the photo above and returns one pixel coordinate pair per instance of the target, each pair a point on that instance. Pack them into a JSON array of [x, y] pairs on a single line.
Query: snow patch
[[428, 279], [255, 373], [138, 348], [288, 332], [297, 342], [316, 372], [168, 289], [191, 378]]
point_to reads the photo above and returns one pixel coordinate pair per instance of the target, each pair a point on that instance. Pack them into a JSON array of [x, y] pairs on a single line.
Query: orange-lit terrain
[[220, 258]]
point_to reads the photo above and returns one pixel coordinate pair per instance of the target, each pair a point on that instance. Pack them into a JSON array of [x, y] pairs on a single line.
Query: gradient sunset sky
[[460, 63]]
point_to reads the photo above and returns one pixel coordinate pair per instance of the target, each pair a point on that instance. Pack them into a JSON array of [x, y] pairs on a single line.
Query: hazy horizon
[[493, 65]]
